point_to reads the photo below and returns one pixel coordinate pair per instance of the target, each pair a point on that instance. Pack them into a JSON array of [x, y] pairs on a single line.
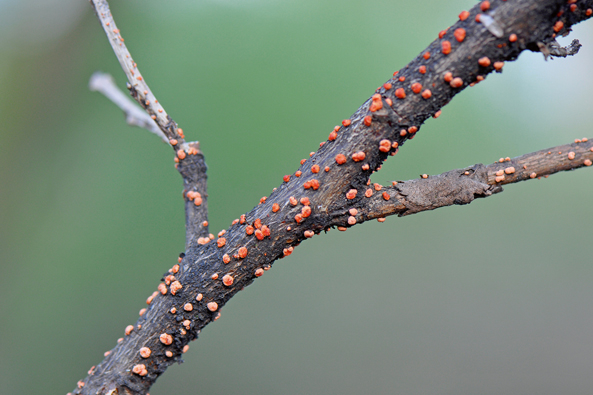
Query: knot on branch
[[459, 187]]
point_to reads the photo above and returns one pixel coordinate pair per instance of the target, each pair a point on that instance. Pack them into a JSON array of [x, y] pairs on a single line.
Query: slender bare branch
[[137, 84], [104, 83], [190, 161], [462, 186]]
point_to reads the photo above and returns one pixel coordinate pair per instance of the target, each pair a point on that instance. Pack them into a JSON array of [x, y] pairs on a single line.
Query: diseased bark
[[329, 190]]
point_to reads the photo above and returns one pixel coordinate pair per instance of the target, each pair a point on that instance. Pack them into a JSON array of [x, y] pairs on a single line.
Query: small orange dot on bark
[[145, 352], [166, 339]]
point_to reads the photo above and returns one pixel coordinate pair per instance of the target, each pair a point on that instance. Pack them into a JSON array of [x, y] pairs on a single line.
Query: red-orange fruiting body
[[412, 129], [162, 288], [387, 85], [448, 77], [259, 235], [228, 280], [326, 169], [257, 223], [485, 5], [332, 136], [351, 194], [306, 211], [463, 15], [424, 176], [422, 69], [446, 47], [498, 65], [212, 306], [456, 82], [386, 196], [340, 159], [298, 218], [293, 201], [142, 311], [400, 93], [571, 155], [368, 193], [259, 272], [346, 122], [140, 370], [589, 12], [214, 276], [199, 297], [188, 307], [401, 79], [385, 145], [287, 251], [315, 168], [275, 207], [358, 156], [175, 286], [376, 105], [226, 258], [587, 162], [242, 252], [380, 219], [221, 242], [558, 26], [437, 114], [166, 339], [262, 200], [427, 94], [173, 142], [513, 38], [298, 173], [426, 55], [307, 185], [416, 87], [484, 61], [368, 120], [309, 233], [459, 34], [286, 178], [389, 102], [573, 7], [249, 229], [305, 201], [478, 18], [509, 170]]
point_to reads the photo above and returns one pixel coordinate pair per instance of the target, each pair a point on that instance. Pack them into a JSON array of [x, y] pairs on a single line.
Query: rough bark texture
[[325, 192]]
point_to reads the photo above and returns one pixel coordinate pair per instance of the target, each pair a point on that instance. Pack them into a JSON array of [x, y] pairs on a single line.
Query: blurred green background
[[495, 297]]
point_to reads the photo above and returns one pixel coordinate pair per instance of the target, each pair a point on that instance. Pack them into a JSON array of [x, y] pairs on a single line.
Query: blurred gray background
[[491, 298]]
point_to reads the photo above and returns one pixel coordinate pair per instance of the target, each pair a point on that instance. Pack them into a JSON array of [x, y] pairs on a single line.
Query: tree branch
[[331, 183], [104, 83], [190, 160]]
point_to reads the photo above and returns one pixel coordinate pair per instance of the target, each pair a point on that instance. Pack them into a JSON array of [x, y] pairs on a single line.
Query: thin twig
[[138, 86], [104, 83]]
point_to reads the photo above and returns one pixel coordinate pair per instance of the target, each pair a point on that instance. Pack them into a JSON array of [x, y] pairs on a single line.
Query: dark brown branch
[[333, 180], [462, 186]]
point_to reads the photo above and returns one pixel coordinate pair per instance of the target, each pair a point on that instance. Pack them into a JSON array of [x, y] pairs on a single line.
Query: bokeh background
[[494, 297]]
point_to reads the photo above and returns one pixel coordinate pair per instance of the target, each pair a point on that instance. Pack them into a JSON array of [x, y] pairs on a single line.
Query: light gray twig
[[104, 83]]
